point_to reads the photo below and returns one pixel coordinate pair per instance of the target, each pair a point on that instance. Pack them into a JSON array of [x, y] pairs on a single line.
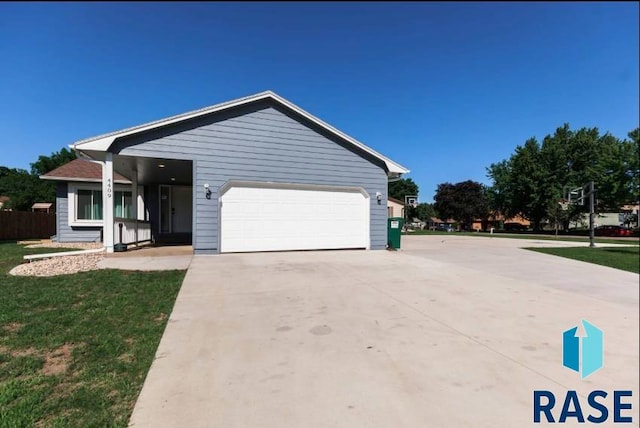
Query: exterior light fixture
[[161, 165]]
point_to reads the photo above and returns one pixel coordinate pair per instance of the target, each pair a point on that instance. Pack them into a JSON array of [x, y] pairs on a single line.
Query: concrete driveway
[[449, 331]]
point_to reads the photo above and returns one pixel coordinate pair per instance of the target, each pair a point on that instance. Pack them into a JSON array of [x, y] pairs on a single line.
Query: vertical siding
[[261, 142], [65, 232]]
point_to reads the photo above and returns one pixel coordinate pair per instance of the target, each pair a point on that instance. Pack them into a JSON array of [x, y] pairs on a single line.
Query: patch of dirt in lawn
[[12, 327], [56, 362], [28, 352], [126, 357], [161, 317]]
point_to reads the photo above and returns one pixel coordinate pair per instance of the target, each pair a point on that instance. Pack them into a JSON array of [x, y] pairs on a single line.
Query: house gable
[[104, 142], [262, 127], [259, 142]]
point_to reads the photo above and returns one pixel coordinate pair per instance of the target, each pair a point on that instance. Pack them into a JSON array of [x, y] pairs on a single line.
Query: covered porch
[[156, 208]]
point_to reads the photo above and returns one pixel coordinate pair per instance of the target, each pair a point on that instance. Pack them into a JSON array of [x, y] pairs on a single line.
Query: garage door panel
[[272, 219]]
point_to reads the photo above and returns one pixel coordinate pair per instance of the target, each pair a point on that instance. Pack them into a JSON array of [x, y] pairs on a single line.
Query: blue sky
[[446, 89]]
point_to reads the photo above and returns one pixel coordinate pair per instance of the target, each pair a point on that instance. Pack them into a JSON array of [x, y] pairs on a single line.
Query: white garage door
[[277, 219]]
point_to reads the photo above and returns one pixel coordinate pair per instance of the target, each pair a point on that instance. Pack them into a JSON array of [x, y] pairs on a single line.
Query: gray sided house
[[253, 174]]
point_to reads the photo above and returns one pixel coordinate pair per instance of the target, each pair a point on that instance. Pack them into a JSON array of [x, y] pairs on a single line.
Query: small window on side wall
[[89, 205]]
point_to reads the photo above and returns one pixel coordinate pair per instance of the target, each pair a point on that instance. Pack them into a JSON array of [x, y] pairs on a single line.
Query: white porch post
[[107, 202], [134, 202]]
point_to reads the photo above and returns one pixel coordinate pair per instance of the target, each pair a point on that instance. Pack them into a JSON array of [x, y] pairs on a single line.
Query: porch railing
[[133, 231]]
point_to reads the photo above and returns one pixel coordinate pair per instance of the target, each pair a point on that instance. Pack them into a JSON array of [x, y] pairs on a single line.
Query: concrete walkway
[[446, 332], [149, 257], [146, 263]]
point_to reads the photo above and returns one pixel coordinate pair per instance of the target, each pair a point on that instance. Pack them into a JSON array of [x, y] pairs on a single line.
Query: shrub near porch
[[75, 349]]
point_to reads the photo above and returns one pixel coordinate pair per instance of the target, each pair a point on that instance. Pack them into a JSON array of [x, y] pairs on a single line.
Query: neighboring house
[[252, 174], [434, 223], [420, 224], [627, 217], [3, 201], [499, 222], [395, 207]]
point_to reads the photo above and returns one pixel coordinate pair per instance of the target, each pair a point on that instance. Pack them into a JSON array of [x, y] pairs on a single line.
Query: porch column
[[134, 202], [107, 202]]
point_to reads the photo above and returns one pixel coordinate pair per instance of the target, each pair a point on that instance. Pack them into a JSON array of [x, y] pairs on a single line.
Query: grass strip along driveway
[[75, 349], [569, 238], [625, 258]]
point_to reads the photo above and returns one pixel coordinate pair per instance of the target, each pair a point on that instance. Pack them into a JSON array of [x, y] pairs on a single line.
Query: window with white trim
[[85, 204], [123, 204], [89, 204]]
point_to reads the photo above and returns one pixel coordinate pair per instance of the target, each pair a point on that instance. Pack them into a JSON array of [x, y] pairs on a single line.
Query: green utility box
[[394, 231]]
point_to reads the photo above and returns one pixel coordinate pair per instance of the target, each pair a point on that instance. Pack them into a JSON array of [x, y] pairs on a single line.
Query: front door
[[175, 209], [181, 209]]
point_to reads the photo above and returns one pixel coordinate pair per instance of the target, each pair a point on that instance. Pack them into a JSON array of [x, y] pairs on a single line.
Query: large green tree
[[404, 187], [24, 188], [464, 202], [45, 164], [425, 211], [534, 178]]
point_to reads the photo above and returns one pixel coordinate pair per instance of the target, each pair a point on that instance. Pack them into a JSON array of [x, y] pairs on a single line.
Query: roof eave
[[100, 145]]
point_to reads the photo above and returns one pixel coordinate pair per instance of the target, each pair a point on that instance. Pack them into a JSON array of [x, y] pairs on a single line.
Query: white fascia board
[[80, 180], [102, 143]]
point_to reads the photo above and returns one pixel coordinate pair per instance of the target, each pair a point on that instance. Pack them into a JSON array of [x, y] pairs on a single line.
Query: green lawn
[[635, 241], [75, 349], [625, 258]]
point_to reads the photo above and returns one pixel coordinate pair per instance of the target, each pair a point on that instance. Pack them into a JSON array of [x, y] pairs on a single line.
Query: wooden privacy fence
[[16, 225]]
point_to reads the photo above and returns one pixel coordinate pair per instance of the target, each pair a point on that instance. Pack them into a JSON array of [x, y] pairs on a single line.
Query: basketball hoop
[[411, 201], [564, 204]]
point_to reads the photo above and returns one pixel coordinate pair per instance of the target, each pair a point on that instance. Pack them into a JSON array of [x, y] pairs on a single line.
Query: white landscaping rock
[[59, 265]]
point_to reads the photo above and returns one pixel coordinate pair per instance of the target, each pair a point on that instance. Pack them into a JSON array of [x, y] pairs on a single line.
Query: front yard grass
[[625, 258], [75, 349]]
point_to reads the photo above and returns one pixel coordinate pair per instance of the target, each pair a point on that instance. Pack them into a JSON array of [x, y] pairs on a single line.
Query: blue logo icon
[[592, 353]]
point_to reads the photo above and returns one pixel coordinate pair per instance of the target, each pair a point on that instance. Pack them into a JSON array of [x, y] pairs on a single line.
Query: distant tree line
[[532, 181]]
